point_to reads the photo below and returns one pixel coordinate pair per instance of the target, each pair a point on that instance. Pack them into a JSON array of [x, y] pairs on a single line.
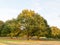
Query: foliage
[[33, 23], [55, 32], [29, 24]]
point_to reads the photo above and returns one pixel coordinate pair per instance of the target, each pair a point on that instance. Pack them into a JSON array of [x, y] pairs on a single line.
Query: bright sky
[[49, 9]]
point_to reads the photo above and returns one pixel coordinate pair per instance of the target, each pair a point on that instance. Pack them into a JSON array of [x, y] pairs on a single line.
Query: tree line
[[28, 23]]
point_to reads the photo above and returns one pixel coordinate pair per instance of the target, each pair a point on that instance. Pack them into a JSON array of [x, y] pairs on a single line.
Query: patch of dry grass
[[30, 42], [27, 42], [2, 44]]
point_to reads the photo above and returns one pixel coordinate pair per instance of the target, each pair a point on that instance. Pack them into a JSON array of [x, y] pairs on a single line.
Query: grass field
[[5, 41]]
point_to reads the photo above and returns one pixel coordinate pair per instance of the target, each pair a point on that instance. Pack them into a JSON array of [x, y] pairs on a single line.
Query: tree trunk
[[38, 37], [27, 36]]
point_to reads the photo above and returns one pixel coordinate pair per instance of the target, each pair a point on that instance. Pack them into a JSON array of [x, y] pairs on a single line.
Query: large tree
[[32, 24]]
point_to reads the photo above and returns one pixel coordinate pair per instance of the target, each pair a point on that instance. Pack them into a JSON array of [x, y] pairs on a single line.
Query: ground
[[31, 43], [4, 41]]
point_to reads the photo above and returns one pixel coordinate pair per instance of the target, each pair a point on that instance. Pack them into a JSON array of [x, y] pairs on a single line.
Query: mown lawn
[[7, 41]]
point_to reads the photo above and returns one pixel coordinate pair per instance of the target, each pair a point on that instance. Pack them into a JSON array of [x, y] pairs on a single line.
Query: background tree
[[11, 28], [1, 26], [55, 32]]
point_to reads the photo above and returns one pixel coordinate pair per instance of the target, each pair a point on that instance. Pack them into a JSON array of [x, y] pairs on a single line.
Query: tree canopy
[[28, 23]]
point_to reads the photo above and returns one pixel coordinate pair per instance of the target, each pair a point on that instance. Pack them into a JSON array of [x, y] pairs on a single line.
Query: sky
[[49, 9]]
